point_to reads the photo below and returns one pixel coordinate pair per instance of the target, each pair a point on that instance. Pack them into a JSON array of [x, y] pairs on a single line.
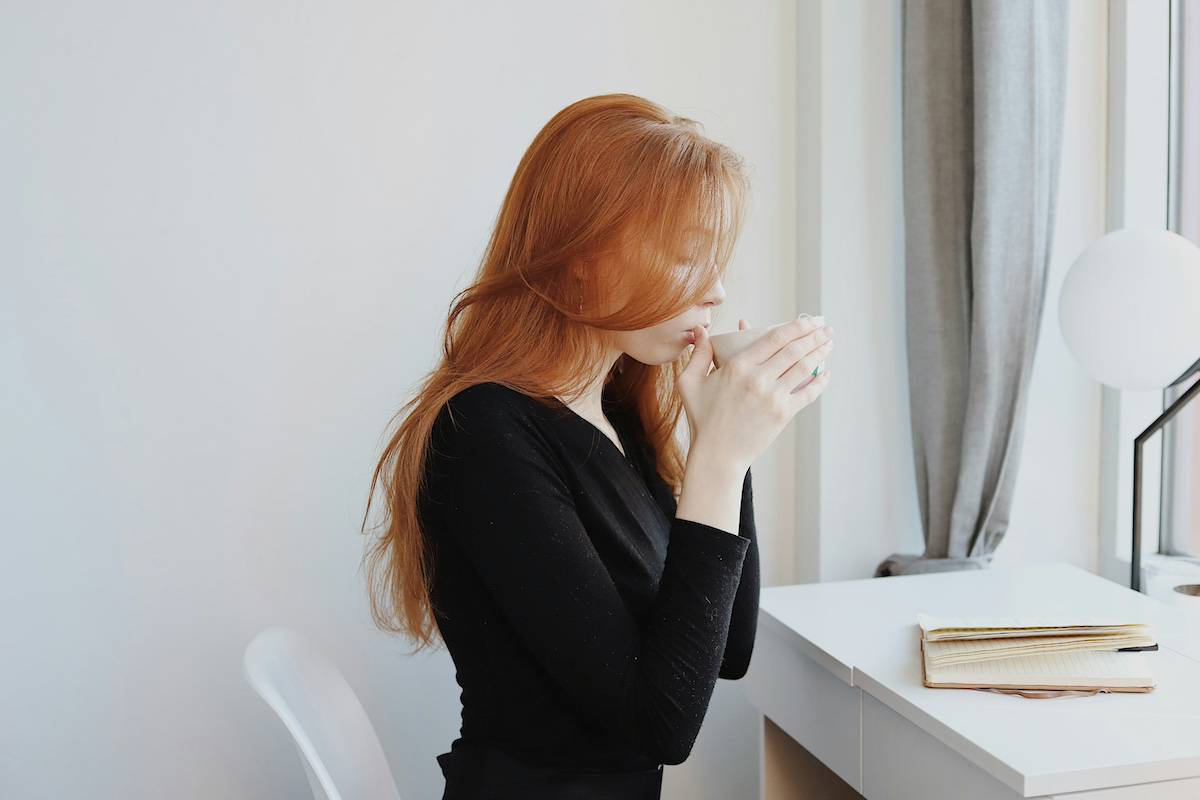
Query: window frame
[[1183, 195], [1141, 41]]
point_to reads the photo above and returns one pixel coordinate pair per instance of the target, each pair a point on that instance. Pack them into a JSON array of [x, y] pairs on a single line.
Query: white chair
[[337, 742]]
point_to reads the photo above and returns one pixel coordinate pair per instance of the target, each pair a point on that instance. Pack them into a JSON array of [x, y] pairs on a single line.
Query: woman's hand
[[735, 412], [742, 325]]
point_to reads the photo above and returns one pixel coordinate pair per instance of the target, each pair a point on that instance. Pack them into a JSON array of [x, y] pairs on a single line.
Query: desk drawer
[[902, 761], [814, 707]]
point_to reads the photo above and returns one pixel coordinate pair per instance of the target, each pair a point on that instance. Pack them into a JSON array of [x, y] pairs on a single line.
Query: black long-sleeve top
[[587, 624]]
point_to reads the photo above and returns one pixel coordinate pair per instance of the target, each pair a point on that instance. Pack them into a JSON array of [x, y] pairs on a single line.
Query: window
[[1180, 508], [1153, 135]]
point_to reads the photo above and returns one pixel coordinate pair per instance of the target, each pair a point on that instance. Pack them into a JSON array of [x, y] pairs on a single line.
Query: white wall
[[856, 498], [859, 501], [234, 236], [233, 241], [1055, 513]]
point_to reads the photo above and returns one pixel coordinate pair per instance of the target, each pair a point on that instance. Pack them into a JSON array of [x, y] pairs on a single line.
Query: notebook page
[[944, 634], [929, 622], [955, 651], [1077, 668]]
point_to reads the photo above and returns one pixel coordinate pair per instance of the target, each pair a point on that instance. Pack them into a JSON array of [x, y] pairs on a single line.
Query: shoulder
[[488, 404], [491, 429], [490, 411]]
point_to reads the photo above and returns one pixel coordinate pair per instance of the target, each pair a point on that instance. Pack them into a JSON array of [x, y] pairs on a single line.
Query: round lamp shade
[[1130, 308]]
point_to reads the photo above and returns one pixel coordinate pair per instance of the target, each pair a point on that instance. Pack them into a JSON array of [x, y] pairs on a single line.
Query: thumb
[[701, 357]]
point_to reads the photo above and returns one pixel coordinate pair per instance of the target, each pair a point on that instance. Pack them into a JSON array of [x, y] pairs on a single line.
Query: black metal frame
[[1135, 564]]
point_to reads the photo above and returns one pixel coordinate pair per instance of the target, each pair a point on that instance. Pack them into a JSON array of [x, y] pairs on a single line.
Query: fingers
[[796, 350], [774, 339], [805, 395], [799, 372], [702, 354]]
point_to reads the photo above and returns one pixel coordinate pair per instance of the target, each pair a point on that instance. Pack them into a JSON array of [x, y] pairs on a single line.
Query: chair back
[[337, 743]]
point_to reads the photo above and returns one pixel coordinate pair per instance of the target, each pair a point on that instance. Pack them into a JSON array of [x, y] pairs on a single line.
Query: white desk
[[836, 669]]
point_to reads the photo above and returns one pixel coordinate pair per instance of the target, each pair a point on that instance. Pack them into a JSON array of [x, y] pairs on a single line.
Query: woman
[[590, 581]]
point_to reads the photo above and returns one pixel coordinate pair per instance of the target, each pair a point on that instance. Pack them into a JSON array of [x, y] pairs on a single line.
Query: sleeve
[[743, 622], [510, 511]]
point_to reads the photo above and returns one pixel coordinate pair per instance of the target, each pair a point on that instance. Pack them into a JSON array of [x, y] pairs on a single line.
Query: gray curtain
[[984, 85]]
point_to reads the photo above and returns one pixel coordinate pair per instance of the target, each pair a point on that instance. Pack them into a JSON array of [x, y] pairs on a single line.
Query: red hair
[[620, 216]]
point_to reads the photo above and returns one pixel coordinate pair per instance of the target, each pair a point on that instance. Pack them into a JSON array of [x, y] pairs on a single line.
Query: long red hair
[[620, 216]]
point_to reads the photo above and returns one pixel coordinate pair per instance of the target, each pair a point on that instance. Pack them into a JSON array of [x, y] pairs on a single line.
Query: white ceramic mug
[[727, 345]]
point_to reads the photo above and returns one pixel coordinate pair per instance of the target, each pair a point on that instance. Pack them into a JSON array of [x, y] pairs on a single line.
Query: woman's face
[[667, 341]]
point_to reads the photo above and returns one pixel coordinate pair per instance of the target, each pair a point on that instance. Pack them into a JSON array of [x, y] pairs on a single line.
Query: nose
[[715, 296]]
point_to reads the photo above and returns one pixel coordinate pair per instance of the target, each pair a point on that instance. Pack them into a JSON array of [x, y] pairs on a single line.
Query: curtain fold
[[984, 88]]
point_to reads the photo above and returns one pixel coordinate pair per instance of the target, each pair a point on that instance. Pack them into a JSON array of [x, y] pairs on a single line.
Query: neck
[[587, 402]]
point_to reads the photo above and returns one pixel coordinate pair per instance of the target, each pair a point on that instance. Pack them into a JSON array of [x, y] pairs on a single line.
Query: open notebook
[[1047, 652]]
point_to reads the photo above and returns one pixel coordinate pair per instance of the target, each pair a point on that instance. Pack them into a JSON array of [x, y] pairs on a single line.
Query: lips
[[690, 337]]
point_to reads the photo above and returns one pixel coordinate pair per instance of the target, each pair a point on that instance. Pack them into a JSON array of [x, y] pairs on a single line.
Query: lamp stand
[[1135, 568]]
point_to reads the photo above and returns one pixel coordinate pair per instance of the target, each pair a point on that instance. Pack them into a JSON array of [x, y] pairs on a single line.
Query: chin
[[659, 353], [651, 359], [672, 353]]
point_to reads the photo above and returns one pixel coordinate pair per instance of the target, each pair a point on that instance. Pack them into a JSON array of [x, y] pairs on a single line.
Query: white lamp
[[1130, 313]]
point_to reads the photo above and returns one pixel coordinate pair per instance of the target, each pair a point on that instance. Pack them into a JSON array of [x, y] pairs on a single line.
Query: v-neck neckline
[[635, 457], [606, 405]]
